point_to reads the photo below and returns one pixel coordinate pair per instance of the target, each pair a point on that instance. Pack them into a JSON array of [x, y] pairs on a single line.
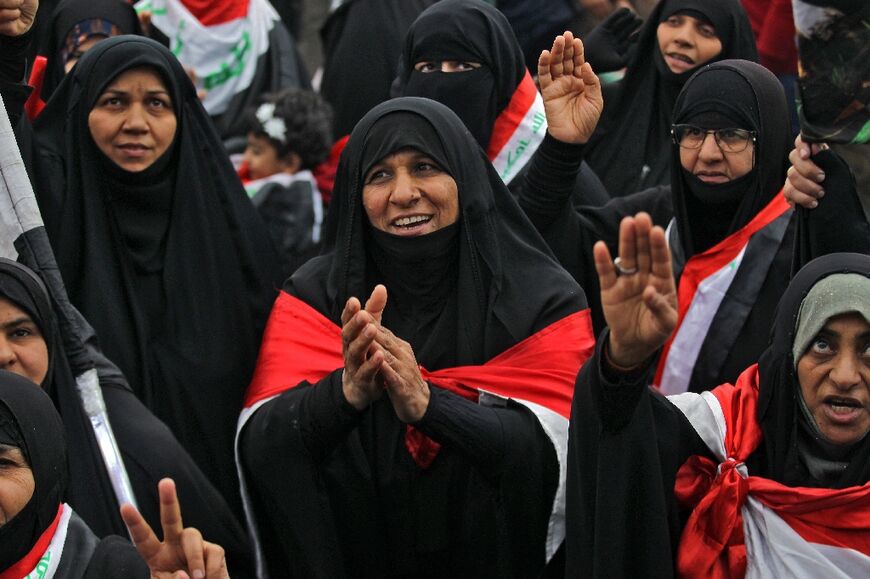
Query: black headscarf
[[629, 150], [90, 490], [779, 412], [172, 266], [465, 30], [739, 94], [26, 411], [63, 21], [506, 284]]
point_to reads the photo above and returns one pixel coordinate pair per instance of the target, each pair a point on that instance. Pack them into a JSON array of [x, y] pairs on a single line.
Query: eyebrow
[[17, 322], [117, 91]]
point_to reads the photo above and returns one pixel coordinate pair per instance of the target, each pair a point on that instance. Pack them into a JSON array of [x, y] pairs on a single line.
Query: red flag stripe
[[213, 12], [511, 117]]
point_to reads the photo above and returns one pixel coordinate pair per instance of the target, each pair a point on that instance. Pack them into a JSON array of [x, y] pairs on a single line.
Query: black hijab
[[629, 150], [739, 94], [28, 415], [63, 21], [464, 30], [779, 411], [506, 284], [171, 266], [90, 491]]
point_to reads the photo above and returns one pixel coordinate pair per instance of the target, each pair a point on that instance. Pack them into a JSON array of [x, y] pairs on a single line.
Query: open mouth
[[679, 61], [842, 409], [412, 221]]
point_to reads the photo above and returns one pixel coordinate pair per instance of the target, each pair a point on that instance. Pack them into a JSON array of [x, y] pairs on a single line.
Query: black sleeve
[[625, 446], [485, 435]]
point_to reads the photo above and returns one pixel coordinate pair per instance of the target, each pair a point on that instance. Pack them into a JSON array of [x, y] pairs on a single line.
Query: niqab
[[780, 455], [27, 410], [629, 150], [743, 95], [179, 299]]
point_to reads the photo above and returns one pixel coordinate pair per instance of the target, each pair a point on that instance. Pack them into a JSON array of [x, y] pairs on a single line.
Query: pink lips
[[134, 150], [679, 62]]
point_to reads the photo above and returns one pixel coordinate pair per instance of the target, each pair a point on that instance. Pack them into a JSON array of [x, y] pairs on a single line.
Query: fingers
[[557, 56], [604, 265], [642, 226], [170, 511], [660, 254], [215, 561], [363, 333], [377, 302], [192, 546], [350, 309], [628, 243], [663, 311], [141, 534]]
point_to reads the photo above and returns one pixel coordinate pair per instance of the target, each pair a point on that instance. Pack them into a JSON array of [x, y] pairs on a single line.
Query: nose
[[7, 355], [405, 192], [685, 35], [136, 119], [846, 373], [710, 151]]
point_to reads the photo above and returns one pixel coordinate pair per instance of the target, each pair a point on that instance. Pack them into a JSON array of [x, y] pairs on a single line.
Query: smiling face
[[711, 164], [133, 122], [407, 193], [834, 376], [686, 42], [16, 482], [22, 348]]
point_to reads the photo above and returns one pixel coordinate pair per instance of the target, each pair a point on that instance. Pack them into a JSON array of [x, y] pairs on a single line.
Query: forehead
[[144, 76], [848, 323], [9, 309]]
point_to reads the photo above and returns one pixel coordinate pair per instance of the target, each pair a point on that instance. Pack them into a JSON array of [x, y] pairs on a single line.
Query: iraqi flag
[[23, 238], [301, 345], [744, 525]]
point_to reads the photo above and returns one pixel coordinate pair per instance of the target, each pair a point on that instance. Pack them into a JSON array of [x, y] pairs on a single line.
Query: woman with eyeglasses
[[731, 231]]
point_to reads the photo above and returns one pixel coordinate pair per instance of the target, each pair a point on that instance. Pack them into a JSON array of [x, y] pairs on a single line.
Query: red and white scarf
[[44, 558], [744, 525], [301, 345], [703, 285]]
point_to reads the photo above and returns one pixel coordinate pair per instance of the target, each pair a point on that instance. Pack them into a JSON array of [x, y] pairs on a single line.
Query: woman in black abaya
[[629, 151], [347, 479], [156, 241], [138, 434]]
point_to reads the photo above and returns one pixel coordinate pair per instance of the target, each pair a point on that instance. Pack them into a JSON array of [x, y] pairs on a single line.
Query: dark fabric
[[61, 23], [137, 432], [350, 471], [629, 150], [536, 22], [752, 99], [41, 431], [184, 328], [778, 409], [838, 223], [625, 445], [463, 30], [362, 40], [84, 555]]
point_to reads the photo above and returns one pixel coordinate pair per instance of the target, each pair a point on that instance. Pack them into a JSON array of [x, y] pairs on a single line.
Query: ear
[[291, 163]]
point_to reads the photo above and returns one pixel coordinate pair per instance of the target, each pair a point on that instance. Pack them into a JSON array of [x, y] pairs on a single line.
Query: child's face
[[262, 157]]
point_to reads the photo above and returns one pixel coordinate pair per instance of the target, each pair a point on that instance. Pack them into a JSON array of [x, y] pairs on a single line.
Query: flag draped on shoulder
[[745, 525]]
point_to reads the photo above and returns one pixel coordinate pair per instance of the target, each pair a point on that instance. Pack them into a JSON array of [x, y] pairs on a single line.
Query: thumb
[[377, 302]]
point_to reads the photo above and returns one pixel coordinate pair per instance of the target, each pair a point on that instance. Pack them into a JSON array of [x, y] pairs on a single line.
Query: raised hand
[[640, 304], [183, 553], [607, 44], [362, 356], [803, 186], [571, 91], [407, 390], [17, 16]]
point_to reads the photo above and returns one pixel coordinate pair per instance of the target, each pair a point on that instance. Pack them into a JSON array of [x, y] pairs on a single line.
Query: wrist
[[352, 394], [623, 359]]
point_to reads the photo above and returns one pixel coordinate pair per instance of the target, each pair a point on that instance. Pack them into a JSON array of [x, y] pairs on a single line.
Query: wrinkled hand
[[362, 356], [571, 91], [803, 186], [607, 44], [17, 16], [641, 308], [183, 552], [407, 390]]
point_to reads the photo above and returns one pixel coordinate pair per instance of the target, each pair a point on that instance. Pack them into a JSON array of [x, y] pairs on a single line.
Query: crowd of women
[[535, 324]]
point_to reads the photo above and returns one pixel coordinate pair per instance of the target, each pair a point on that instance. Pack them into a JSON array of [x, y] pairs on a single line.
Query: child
[[288, 135]]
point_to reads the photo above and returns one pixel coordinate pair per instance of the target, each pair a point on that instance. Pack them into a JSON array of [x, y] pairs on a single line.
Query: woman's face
[[133, 122], [834, 376], [16, 482], [22, 347], [407, 193], [712, 165], [686, 42], [446, 66]]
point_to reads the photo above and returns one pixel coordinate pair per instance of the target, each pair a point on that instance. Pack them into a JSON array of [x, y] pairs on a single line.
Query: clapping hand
[[183, 554], [362, 356], [17, 16], [570, 89], [637, 294]]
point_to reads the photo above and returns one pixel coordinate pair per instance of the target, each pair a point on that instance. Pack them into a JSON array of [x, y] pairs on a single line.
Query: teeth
[[408, 221]]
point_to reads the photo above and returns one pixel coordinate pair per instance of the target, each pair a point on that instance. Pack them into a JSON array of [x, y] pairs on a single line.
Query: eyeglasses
[[729, 140]]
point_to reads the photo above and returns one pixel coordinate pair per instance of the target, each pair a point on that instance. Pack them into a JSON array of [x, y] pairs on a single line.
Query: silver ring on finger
[[621, 270]]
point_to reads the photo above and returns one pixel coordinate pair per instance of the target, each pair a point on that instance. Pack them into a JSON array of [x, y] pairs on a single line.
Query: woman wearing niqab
[[170, 264], [754, 479], [470, 488], [629, 151]]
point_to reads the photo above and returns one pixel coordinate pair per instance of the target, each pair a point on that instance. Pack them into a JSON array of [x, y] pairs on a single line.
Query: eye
[[465, 66], [158, 103], [110, 101], [706, 30], [821, 346], [427, 66], [675, 20], [427, 166], [377, 175]]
